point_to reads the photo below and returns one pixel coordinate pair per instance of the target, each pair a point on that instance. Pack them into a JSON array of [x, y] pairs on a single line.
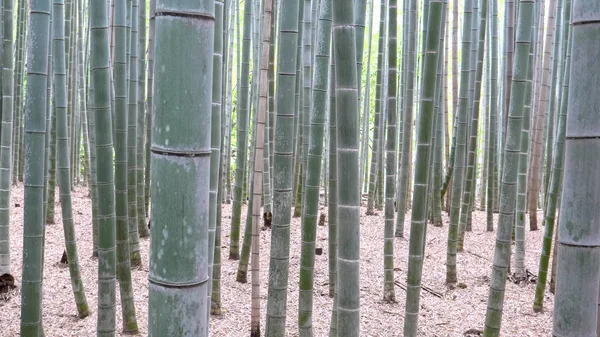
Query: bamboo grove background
[[167, 109]]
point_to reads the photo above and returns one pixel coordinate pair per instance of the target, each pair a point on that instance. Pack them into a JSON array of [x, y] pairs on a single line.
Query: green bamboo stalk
[[554, 90], [267, 153], [243, 113], [360, 12], [181, 168], [238, 91], [100, 69], [366, 116], [297, 187], [471, 171], [440, 105], [510, 170], [77, 90], [215, 142], [132, 129], [307, 61], [242, 271], [578, 250], [378, 107], [332, 206], [459, 143], [34, 138], [271, 118], [348, 259], [215, 298], [466, 225], [402, 92], [18, 86], [283, 161], [93, 168], [379, 184], [52, 174], [484, 137], [81, 94], [455, 70], [432, 49], [407, 118], [493, 127], [389, 294], [226, 194], [540, 119], [49, 114], [64, 174], [510, 13], [556, 181], [260, 131], [149, 102], [6, 135], [521, 201], [141, 113], [35, 130], [121, 203], [70, 48], [313, 175]]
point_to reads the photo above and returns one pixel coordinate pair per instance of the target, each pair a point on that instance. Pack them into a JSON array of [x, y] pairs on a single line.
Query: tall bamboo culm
[[180, 155]]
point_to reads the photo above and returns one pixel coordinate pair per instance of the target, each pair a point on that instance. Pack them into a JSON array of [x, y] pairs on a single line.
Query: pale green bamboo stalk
[[242, 270], [283, 161], [440, 110], [459, 143], [6, 134], [521, 201], [510, 170], [556, 181], [576, 300], [181, 168], [132, 129], [540, 119], [493, 127], [243, 113], [307, 61], [100, 76], [407, 119], [332, 206], [215, 142], [63, 164], [469, 189], [557, 60], [378, 107], [348, 259], [93, 167], [260, 131], [34, 139], [271, 118], [364, 148], [141, 127], [431, 52], [150, 102], [19, 87], [313, 175], [121, 204], [298, 129], [389, 294]]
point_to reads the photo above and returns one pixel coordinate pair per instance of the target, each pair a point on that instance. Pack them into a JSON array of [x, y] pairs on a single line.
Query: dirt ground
[[444, 312]]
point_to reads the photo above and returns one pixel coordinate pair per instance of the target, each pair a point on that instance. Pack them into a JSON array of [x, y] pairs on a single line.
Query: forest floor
[[450, 312]]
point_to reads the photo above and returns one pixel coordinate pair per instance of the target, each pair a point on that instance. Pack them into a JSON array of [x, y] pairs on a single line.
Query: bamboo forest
[[339, 168]]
